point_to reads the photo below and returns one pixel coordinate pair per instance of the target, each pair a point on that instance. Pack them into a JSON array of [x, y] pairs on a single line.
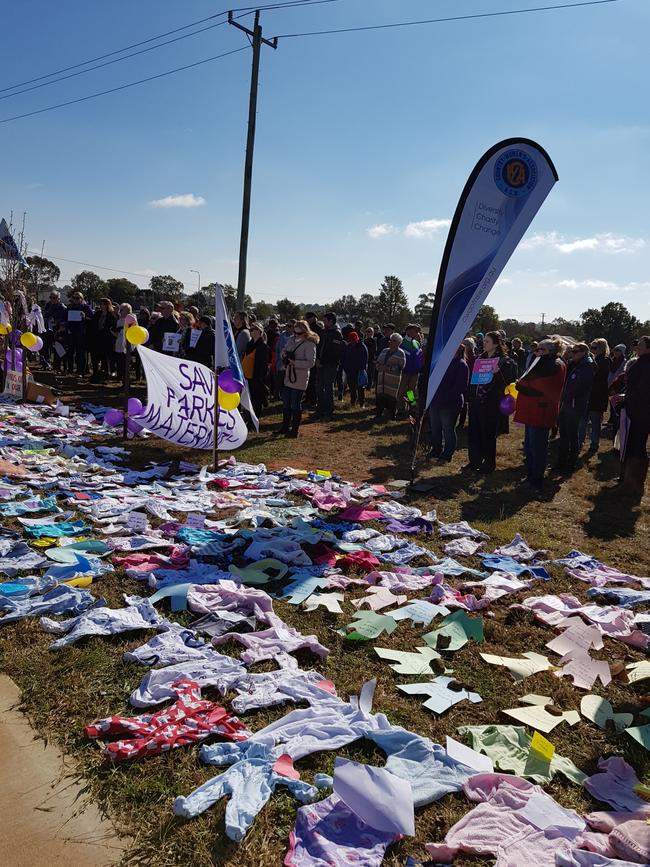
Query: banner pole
[[215, 444], [127, 372]]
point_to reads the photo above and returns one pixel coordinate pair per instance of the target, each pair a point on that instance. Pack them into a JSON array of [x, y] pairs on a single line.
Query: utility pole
[[543, 315], [256, 40]]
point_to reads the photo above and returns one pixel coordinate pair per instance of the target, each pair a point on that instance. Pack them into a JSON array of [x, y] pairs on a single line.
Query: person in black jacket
[[331, 346], [200, 348], [166, 324], [100, 331], [599, 397], [484, 414], [519, 356], [636, 402], [255, 363], [371, 345], [311, 392], [574, 405]]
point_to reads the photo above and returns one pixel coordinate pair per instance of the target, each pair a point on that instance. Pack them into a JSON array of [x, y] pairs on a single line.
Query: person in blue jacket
[[446, 406]]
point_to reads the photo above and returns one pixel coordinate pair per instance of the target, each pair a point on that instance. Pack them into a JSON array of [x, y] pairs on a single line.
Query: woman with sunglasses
[[574, 405], [298, 358], [255, 364]]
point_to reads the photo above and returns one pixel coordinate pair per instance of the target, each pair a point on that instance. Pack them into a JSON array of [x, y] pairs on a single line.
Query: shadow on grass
[[613, 515]]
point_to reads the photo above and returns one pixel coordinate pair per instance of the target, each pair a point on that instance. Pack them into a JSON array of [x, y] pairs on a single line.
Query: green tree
[[345, 306], [564, 327], [424, 307], [392, 303], [122, 291], [43, 274], [263, 309], [288, 309], [230, 297], [203, 299], [614, 322], [367, 307], [166, 288], [486, 320], [91, 286]]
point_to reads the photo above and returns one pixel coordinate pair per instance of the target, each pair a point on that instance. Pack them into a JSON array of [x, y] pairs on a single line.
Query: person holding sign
[[166, 324], [489, 379], [199, 342], [79, 317]]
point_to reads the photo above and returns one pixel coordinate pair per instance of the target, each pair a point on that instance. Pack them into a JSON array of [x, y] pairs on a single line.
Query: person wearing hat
[[355, 365]]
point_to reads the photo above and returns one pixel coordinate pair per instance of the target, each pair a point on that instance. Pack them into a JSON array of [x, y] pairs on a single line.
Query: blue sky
[[364, 142]]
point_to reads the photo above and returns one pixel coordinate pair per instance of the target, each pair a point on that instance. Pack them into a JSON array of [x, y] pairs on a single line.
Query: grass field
[[64, 691]]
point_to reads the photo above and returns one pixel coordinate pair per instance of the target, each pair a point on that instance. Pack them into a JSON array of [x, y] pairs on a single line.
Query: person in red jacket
[[538, 407]]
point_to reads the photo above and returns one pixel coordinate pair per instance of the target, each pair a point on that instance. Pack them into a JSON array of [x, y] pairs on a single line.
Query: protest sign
[[180, 404], [484, 370], [14, 384]]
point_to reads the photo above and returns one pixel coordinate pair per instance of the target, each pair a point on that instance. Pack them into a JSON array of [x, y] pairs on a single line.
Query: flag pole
[[215, 445], [127, 372]]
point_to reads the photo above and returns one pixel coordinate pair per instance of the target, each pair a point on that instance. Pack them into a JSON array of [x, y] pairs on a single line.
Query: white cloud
[[185, 200], [381, 230], [606, 285], [605, 242], [425, 228], [420, 229]]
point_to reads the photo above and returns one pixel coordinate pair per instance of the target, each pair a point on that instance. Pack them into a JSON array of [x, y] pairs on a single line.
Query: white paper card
[[195, 519], [194, 337], [75, 315], [59, 349], [543, 812], [171, 342], [468, 756], [137, 521], [377, 797]]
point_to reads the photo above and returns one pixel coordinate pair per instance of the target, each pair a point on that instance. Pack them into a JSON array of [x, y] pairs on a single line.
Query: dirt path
[[41, 821]]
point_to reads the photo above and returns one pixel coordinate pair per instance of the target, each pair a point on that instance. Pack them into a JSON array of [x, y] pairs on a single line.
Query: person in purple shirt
[[355, 364], [79, 317], [446, 406]]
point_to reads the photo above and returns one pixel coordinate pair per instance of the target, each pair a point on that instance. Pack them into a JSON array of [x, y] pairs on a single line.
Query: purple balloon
[[507, 405], [135, 406], [227, 382], [19, 359], [133, 426], [15, 336], [113, 417]]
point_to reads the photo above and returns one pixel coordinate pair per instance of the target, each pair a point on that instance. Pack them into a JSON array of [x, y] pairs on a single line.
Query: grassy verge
[[63, 691]]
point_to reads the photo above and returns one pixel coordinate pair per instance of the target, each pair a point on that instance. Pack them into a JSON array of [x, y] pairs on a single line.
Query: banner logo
[[515, 173]]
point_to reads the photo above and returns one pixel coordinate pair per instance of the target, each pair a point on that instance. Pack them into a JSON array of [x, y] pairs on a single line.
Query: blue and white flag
[[225, 351], [8, 247], [504, 192]]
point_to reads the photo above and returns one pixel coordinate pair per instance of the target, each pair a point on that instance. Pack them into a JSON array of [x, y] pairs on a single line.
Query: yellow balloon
[[512, 390], [137, 335], [28, 339], [228, 400], [5, 329]]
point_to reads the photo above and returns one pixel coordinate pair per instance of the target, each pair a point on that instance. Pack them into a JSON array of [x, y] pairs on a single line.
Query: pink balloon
[[129, 319], [38, 345], [113, 417]]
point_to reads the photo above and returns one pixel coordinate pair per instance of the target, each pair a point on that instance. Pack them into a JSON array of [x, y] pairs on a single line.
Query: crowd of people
[[564, 389]]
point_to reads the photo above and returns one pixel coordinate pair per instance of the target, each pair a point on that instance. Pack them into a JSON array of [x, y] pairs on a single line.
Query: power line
[[450, 18], [114, 60], [243, 9], [124, 86]]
